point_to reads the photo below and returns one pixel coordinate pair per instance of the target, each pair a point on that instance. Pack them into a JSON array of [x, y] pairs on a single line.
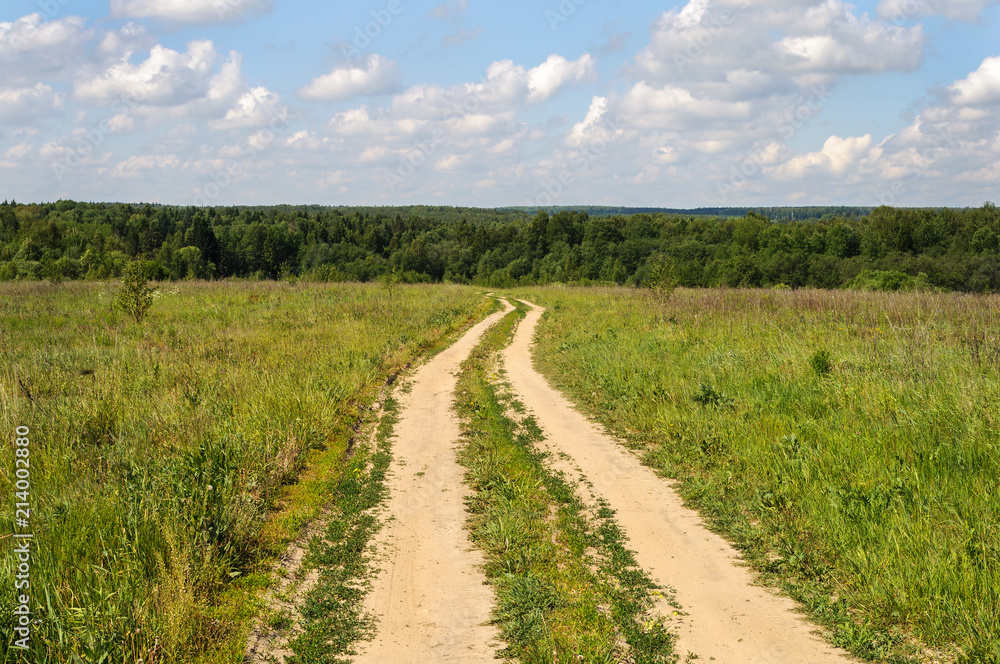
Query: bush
[[134, 297], [890, 281], [662, 278]]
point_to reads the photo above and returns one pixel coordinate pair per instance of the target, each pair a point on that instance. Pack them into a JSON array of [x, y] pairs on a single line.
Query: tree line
[[887, 248]]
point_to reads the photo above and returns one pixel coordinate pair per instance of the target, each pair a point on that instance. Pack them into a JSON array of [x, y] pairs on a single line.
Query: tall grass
[[847, 442], [158, 449]]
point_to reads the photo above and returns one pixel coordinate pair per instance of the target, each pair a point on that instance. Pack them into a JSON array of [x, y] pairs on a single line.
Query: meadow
[[846, 442], [166, 456]]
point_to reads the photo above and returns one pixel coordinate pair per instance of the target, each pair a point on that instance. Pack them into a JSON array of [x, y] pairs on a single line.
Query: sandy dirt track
[[728, 618], [430, 597]]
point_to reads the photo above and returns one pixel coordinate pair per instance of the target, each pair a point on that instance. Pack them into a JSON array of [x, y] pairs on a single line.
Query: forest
[[880, 249]]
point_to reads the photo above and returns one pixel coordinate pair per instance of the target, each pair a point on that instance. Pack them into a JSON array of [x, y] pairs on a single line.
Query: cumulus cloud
[[675, 107], [728, 76], [378, 75], [190, 11], [836, 157], [583, 129], [139, 165], [981, 87], [198, 83], [258, 107], [505, 88], [32, 48], [790, 44], [547, 78], [165, 78], [19, 104]]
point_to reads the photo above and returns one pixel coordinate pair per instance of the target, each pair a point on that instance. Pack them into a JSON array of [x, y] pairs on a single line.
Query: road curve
[[430, 596], [728, 619]]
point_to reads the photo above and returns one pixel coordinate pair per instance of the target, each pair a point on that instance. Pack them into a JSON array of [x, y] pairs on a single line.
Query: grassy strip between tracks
[[567, 588]]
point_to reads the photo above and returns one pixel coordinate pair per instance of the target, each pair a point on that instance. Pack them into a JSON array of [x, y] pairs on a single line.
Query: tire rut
[[430, 597], [726, 618]]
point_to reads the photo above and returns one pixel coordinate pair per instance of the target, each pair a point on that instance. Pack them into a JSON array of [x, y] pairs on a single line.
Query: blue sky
[[567, 102]]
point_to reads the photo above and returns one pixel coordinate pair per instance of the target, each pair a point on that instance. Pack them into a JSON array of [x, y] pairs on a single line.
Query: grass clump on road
[[567, 588], [167, 457], [860, 477]]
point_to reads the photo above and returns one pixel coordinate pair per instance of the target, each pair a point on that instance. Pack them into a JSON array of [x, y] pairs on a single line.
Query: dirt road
[[729, 620], [430, 598]]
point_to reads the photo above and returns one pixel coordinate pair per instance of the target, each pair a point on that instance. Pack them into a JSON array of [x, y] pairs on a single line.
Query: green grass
[[847, 442], [332, 617], [567, 588], [165, 456]]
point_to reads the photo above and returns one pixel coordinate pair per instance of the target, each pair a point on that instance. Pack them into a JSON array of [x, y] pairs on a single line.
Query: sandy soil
[[728, 619], [430, 596]]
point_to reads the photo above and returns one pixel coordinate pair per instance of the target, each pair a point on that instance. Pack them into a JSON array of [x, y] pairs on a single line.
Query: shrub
[[662, 278], [134, 297], [890, 281]]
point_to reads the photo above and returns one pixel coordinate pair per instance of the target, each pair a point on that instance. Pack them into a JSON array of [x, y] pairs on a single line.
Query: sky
[[706, 103]]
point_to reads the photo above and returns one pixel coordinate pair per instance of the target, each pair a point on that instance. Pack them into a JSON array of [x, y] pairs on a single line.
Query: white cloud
[[377, 76], [677, 108], [257, 108], [836, 157], [165, 78], [959, 10], [32, 48], [981, 86], [191, 11], [784, 43], [20, 104], [139, 165], [547, 78], [583, 129], [18, 151]]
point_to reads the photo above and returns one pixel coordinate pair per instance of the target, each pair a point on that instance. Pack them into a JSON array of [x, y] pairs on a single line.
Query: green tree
[[662, 278], [135, 297]]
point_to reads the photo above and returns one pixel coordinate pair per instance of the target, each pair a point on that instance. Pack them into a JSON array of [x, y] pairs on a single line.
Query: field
[[848, 443], [845, 442], [163, 454]]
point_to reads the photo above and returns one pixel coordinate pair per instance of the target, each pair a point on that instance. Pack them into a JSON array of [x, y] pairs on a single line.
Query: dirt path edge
[[726, 617]]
